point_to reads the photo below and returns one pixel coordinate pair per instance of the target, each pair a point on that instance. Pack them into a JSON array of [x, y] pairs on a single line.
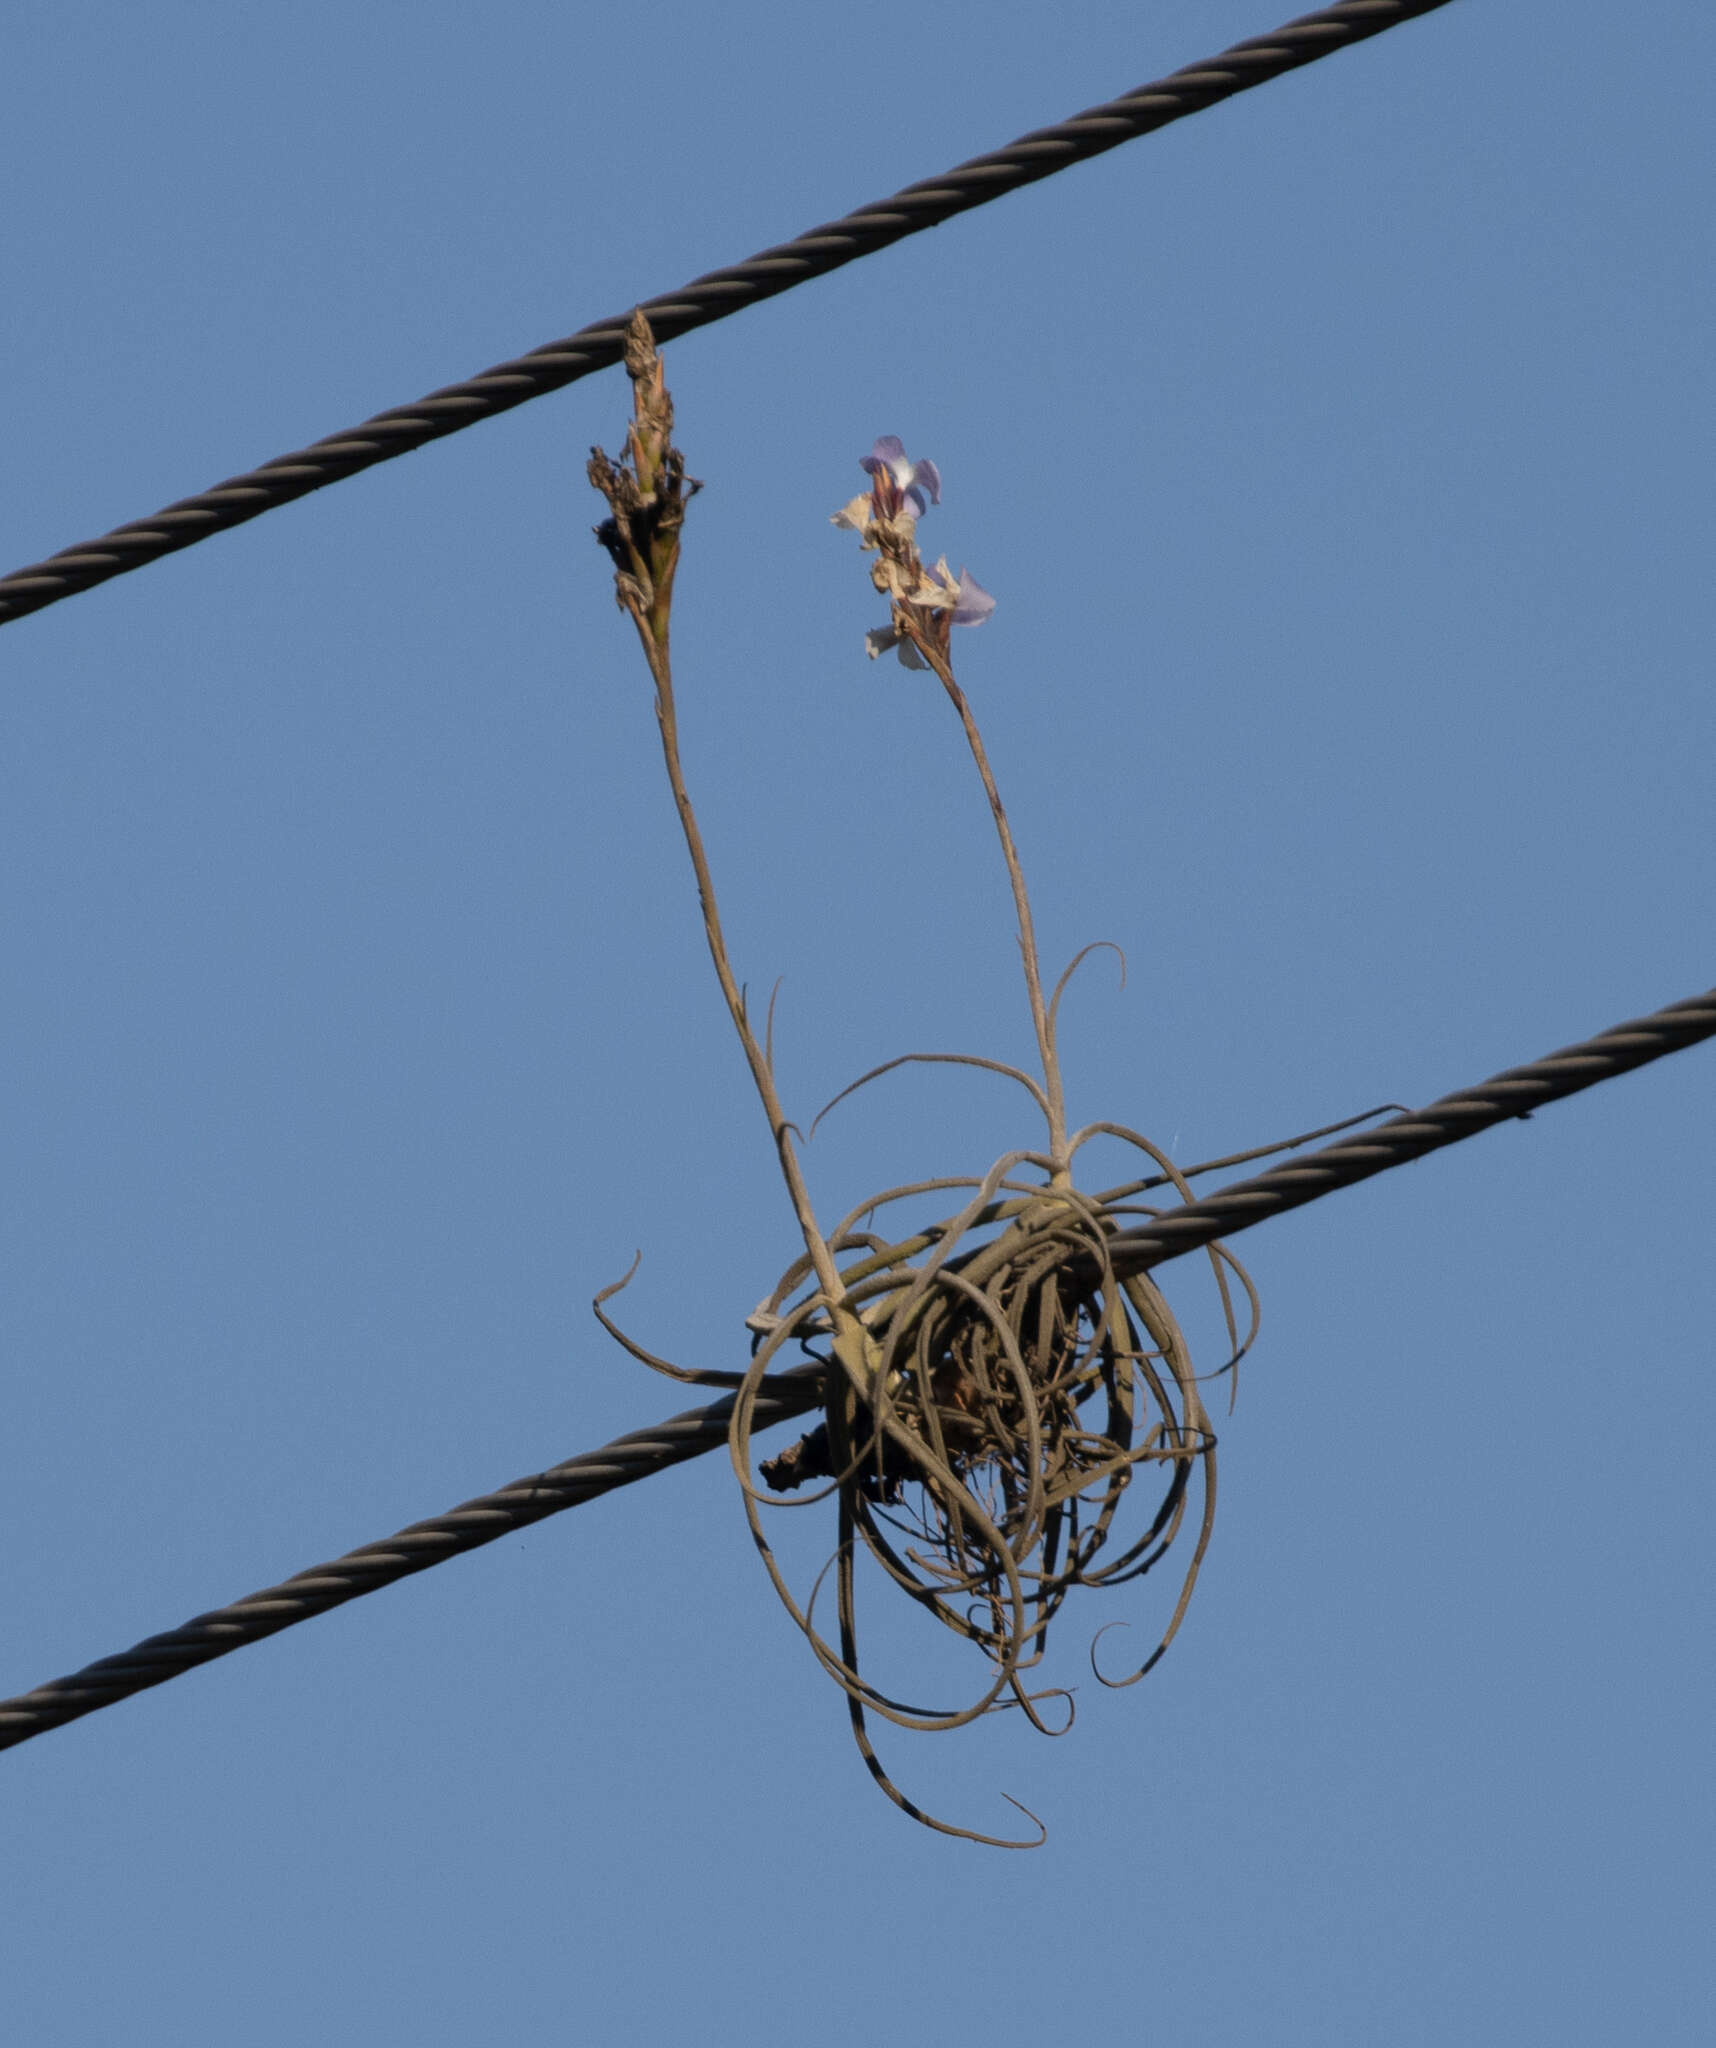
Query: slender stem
[[822, 1260], [647, 494], [1040, 1017]]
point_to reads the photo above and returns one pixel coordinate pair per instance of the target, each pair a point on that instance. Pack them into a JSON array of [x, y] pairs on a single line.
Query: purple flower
[[963, 598], [964, 601], [975, 604], [925, 602], [916, 484]]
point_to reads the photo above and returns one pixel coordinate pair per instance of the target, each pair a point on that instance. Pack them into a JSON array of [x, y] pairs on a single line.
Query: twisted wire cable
[[705, 300], [366, 1570], [635, 1456], [1445, 1122]]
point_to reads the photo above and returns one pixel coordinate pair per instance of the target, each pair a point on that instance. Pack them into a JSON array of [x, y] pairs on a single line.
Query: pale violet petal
[[975, 604]]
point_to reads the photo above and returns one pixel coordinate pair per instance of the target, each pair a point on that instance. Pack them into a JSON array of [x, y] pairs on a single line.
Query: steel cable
[[366, 1570], [1349, 1160], [1514, 1093], [703, 301]]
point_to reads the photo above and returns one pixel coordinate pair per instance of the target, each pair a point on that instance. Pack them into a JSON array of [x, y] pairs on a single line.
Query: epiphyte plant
[[994, 1389]]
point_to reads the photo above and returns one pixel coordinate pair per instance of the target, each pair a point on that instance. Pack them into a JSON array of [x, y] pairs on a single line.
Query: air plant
[[1006, 1416]]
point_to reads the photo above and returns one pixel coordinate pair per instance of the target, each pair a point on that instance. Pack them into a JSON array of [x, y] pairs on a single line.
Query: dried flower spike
[[647, 491]]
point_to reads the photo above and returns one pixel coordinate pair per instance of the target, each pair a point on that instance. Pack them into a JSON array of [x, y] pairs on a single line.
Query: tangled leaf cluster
[[1022, 1393]]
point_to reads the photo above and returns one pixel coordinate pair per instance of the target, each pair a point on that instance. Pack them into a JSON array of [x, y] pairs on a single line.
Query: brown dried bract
[[647, 491]]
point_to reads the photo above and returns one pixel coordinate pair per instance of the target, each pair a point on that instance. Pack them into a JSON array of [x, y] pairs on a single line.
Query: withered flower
[[924, 602]]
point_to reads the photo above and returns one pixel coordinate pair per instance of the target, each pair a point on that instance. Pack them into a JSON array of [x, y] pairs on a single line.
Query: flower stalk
[[647, 492], [924, 606]]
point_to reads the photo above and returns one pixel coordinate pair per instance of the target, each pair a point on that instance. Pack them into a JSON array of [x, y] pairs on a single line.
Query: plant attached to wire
[[996, 1388]]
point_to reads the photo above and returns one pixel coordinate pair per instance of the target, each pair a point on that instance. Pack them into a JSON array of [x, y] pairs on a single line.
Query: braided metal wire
[[1348, 1160], [703, 301], [466, 1527], [635, 1456]]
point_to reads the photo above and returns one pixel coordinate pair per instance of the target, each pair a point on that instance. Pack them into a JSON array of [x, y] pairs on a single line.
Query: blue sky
[[1340, 462]]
